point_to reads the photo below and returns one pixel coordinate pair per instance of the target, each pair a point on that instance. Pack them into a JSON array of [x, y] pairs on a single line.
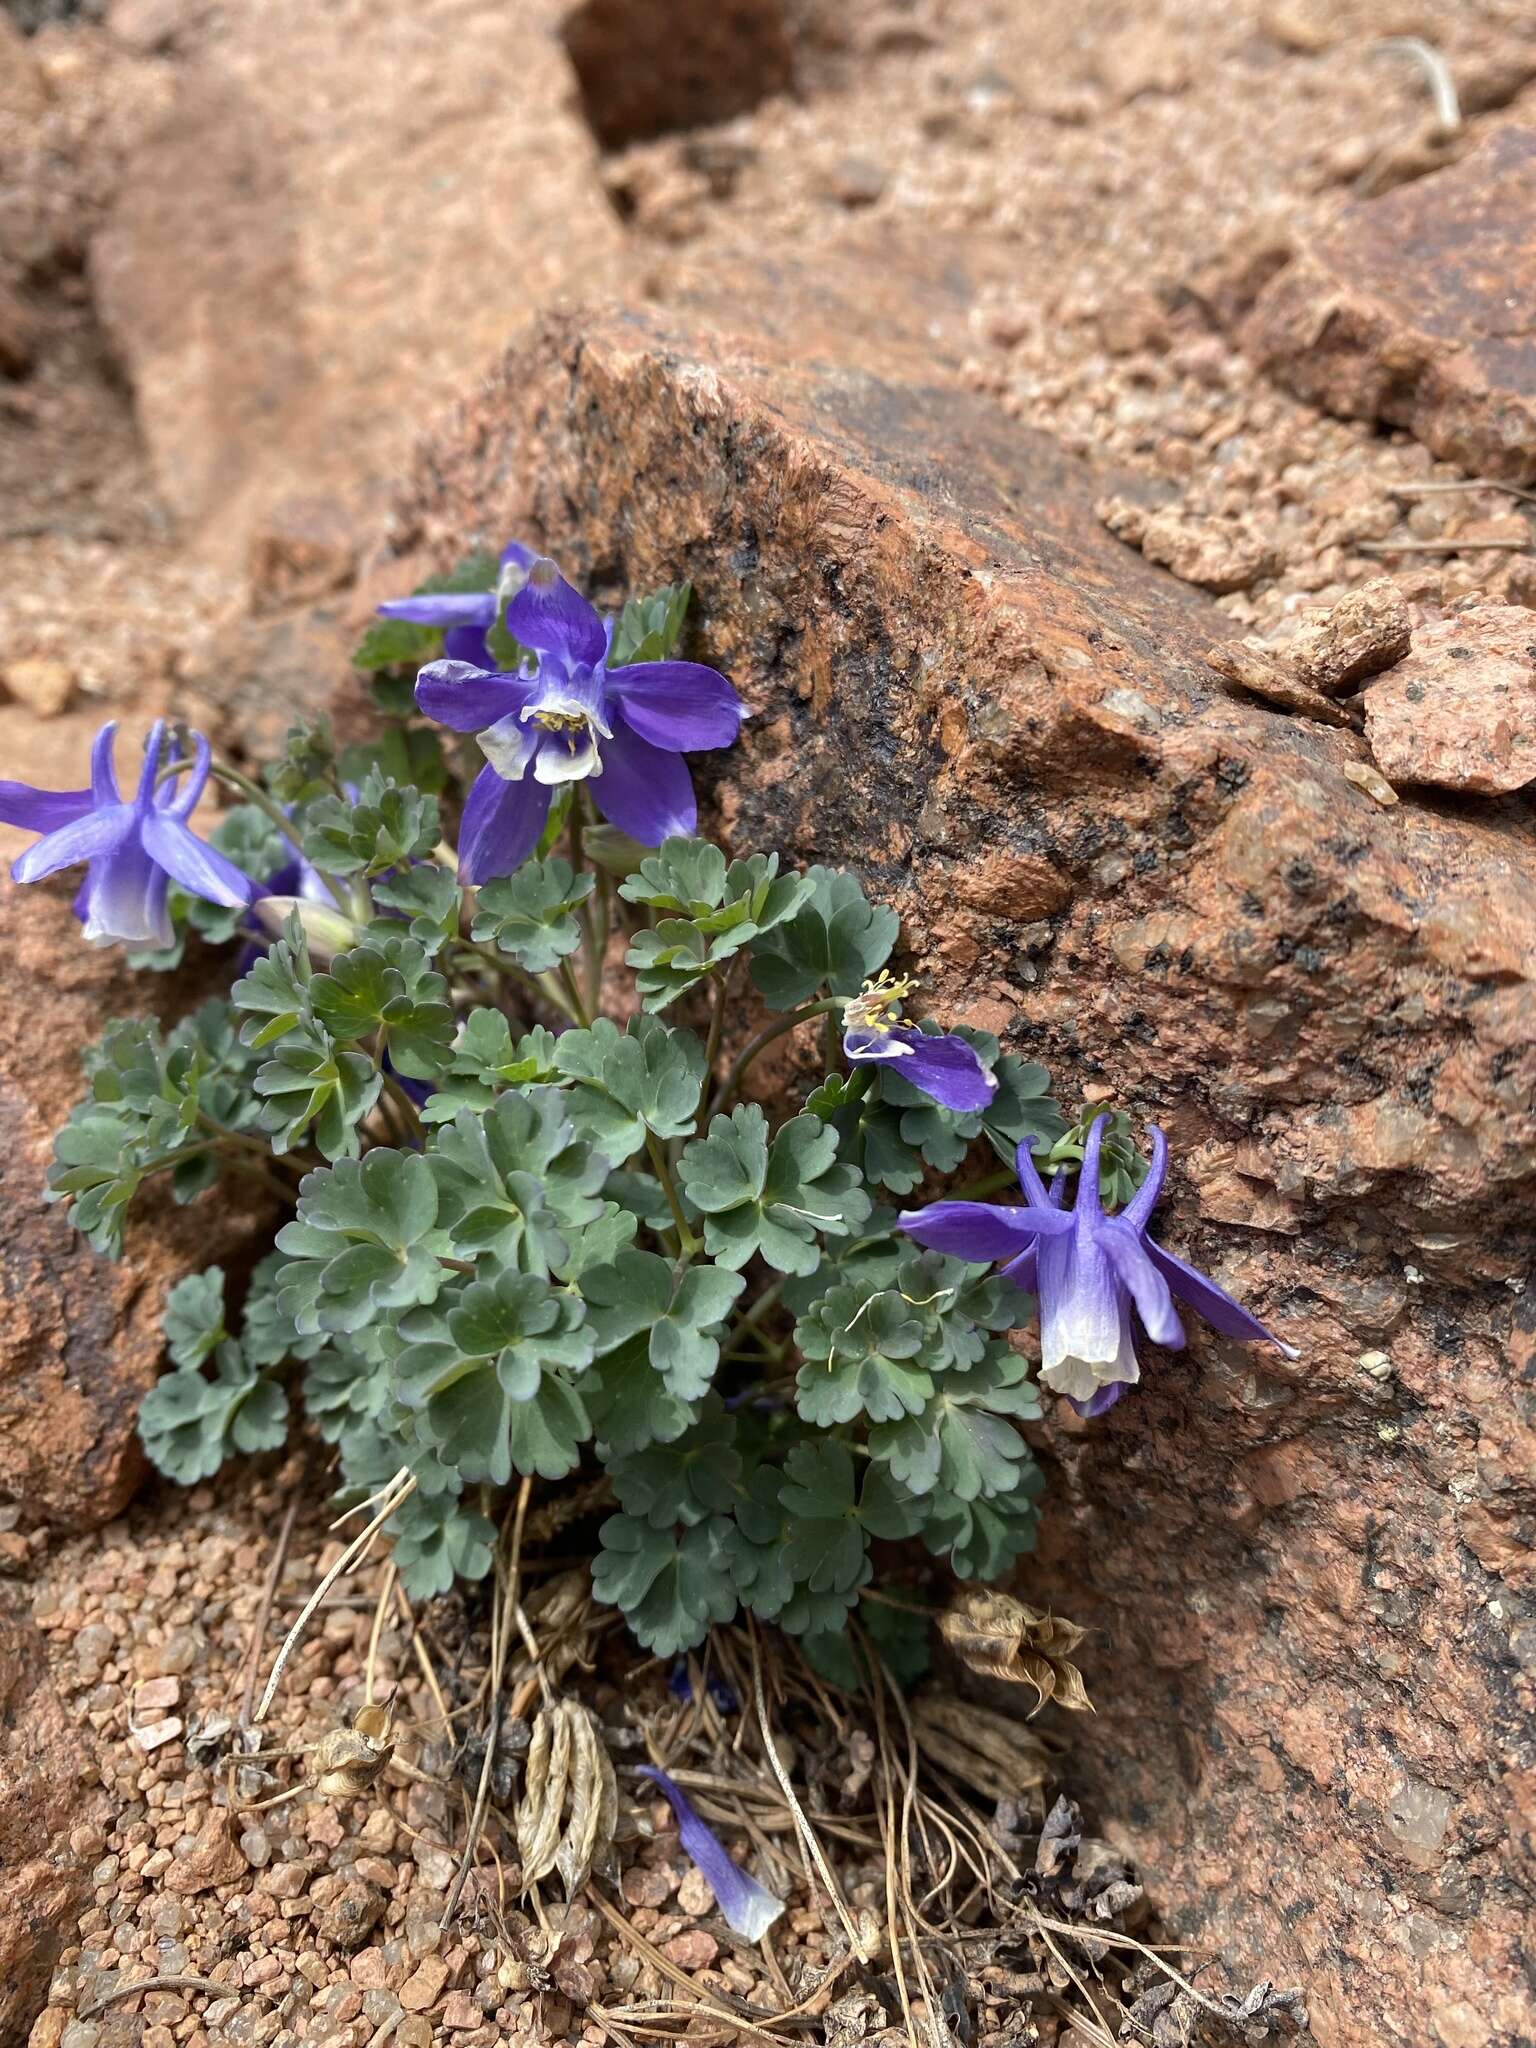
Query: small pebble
[[423, 1987]]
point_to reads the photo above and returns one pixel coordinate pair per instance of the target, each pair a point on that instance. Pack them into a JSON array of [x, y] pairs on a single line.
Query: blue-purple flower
[[573, 718], [1088, 1270], [132, 851], [941, 1065], [748, 1907], [466, 615]]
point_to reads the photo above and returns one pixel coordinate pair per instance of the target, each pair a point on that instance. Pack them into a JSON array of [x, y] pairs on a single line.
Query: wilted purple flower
[[680, 1685], [132, 851], [943, 1065], [1087, 1270], [571, 719], [748, 1907], [467, 615]]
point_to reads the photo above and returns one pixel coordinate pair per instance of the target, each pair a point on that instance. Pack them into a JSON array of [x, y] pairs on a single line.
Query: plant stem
[[722, 989], [598, 941], [408, 1111], [765, 1037], [222, 771], [767, 1300], [685, 1237], [578, 1008]]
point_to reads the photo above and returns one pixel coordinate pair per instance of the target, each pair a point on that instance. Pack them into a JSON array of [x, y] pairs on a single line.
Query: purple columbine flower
[[574, 718], [748, 1907], [1087, 1270], [132, 851], [943, 1065], [466, 615]]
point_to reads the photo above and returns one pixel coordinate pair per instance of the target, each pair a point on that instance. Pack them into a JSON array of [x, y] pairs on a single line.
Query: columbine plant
[[536, 1220]]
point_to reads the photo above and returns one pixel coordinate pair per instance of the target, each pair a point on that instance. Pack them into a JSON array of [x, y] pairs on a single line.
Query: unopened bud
[[326, 929]]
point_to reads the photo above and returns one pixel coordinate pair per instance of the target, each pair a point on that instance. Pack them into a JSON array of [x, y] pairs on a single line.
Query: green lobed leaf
[[386, 991], [718, 910], [274, 995], [670, 1585], [647, 1078], [436, 1541], [472, 1364], [308, 1085], [984, 1538], [681, 1315], [148, 1094], [427, 896], [530, 915], [649, 628], [861, 1358], [193, 1321], [631, 1408], [964, 1442], [770, 1198], [364, 1242], [306, 768], [386, 827], [189, 1423], [514, 1181], [486, 1061], [835, 940], [686, 1480]]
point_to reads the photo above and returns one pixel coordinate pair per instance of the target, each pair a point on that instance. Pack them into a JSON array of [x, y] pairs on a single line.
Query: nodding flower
[[466, 616], [1088, 1270], [941, 1065], [570, 717], [132, 851]]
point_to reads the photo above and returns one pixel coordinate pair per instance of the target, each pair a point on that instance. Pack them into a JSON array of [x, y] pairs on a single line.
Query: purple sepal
[[941, 1064], [501, 826], [749, 1908], [571, 718], [444, 608]]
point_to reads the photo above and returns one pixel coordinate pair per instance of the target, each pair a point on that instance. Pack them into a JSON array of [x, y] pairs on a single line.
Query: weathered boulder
[[343, 211], [1460, 711], [49, 1794], [80, 1335], [1311, 1584], [1413, 309]]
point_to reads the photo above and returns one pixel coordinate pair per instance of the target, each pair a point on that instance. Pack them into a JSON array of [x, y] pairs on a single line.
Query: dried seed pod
[[590, 1767], [570, 1802], [545, 1781], [1000, 1757], [999, 1636], [349, 1760]]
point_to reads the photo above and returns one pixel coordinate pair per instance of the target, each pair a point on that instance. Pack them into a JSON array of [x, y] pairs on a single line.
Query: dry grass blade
[[1000, 1757], [393, 1496], [856, 1940], [999, 1636]]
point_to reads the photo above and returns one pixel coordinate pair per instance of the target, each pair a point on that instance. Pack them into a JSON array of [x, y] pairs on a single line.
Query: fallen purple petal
[[749, 1908]]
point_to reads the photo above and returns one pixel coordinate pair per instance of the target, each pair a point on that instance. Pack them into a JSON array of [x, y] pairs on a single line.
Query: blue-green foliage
[[517, 1250]]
